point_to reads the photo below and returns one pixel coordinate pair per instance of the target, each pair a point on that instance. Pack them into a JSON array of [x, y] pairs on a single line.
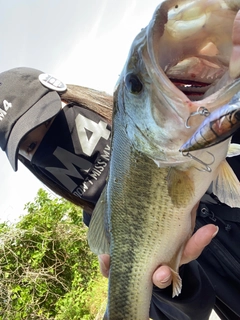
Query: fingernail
[[215, 233], [165, 279]]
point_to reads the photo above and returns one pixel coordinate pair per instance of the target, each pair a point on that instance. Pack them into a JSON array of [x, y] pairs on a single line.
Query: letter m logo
[[68, 159]]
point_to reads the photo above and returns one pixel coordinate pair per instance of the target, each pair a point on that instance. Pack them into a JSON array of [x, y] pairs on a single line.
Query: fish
[[182, 60]]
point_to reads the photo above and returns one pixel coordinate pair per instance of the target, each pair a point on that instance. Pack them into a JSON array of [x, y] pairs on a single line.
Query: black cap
[[25, 103]]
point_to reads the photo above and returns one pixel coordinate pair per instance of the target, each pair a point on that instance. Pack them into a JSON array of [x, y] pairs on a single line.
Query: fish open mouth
[[194, 76], [192, 47]]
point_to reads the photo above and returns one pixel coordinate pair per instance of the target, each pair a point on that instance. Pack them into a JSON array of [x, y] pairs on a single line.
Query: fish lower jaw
[[201, 88], [194, 90], [173, 160], [164, 164]]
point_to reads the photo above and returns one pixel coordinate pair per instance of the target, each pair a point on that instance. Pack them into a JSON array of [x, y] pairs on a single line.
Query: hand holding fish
[[162, 277]]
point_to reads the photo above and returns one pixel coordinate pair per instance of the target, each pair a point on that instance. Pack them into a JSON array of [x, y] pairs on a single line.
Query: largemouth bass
[[184, 59]]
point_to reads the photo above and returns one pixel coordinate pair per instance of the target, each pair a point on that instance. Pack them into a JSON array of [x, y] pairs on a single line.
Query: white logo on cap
[[52, 83], [6, 106]]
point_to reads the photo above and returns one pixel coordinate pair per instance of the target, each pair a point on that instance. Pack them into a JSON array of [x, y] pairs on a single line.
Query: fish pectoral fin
[[98, 235], [174, 265], [226, 186], [176, 283], [180, 187], [233, 150]]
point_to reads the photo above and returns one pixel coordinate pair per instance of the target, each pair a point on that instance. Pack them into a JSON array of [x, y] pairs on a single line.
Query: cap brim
[[47, 107]]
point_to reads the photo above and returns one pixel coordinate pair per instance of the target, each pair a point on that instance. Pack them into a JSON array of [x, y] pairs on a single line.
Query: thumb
[[200, 239]]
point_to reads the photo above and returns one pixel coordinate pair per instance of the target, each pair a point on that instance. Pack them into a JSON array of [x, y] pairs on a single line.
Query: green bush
[[46, 268]]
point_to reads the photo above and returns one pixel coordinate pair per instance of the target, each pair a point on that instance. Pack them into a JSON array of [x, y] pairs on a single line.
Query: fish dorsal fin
[[98, 235], [233, 150], [226, 186]]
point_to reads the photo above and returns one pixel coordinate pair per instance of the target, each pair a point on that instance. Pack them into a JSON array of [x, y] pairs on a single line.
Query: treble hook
[[206, 167], [202, 111]]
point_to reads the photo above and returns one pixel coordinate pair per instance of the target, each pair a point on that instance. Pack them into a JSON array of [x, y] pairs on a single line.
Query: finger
[[162, 277], [198, 242], [104, 262]]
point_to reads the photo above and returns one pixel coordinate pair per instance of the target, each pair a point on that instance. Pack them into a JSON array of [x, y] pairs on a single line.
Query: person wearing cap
[[62, 135], [71, 159]]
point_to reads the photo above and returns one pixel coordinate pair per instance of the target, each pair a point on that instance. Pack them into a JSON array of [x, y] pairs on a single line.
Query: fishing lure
[[217, 127]]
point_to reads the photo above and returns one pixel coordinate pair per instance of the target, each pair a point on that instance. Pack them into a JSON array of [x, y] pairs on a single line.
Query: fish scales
[[142, 220]]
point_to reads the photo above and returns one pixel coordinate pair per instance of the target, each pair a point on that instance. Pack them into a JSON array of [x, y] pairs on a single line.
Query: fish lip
[[195, 90]]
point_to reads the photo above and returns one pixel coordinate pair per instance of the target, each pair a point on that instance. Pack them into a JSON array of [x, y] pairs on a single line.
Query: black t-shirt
[[77, 157]]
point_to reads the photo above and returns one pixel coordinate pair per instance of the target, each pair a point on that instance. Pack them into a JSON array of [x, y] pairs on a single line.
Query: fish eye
[[133, 84]]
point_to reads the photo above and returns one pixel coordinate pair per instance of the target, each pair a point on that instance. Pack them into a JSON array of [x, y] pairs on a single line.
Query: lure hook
[[202, 111], [206, 167]]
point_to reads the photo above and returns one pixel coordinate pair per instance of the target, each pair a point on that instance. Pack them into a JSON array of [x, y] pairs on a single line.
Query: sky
[[78, 41]]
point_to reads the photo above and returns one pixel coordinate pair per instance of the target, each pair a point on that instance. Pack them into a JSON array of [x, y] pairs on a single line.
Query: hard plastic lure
[[217, 127]]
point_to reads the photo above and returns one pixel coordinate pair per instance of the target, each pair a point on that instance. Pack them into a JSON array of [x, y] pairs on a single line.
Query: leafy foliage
[[46, 268]]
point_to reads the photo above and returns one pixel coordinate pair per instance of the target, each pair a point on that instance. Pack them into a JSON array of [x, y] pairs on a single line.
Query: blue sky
[[81, 42]]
